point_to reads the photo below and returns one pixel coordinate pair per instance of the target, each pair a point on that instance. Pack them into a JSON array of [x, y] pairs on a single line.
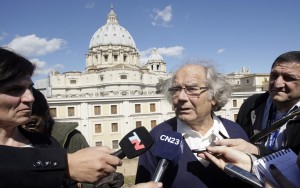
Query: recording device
[[199, 150], [202, 150], [243, 175], [169, 148], [135, 143]]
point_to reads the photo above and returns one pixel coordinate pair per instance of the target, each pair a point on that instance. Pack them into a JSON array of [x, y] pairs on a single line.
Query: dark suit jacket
[[41, 166], [250, 118], [188, 172]]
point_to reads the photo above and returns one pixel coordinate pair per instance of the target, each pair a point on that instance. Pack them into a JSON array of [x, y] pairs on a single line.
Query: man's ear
[[213, 102]]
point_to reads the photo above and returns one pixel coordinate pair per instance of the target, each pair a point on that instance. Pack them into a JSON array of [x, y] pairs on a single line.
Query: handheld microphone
[[135, 143], [169, 148]]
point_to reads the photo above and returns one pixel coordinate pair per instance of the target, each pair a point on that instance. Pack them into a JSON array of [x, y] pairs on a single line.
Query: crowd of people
[[36, 151], [196, 91]]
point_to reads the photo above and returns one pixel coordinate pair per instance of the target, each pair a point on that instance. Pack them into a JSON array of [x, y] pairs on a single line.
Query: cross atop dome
[[112, 16]]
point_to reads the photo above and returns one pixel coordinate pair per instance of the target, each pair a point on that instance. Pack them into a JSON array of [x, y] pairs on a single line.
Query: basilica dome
[[112, 34], [155, 57]]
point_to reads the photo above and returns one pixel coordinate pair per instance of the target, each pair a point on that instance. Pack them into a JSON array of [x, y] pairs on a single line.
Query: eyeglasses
[[35, 122], [193, 91], [31, 125]]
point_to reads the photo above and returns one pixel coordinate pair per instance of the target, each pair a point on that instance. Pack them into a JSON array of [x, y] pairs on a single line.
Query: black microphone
[[169, 148], [135, 143]]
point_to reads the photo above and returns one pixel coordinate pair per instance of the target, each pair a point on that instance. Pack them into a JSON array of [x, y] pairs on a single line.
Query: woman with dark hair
[[15, 107], [29, 159], [16, 101]]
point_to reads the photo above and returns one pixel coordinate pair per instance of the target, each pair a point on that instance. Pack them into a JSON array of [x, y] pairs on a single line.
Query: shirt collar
[[217, 127]]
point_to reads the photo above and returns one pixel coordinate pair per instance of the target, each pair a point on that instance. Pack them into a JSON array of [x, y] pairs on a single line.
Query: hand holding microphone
[[135, 143], [169, 148]]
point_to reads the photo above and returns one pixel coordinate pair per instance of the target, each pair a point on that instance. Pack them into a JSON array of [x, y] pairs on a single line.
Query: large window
[[53, 112], [138, 124], [98, 143], [234, 103], [115, 57], [152, 107], [114, 127], [98, 128], [153, 123], [97, 110], [115, 144], [105, 58], [123, 77], [137, 108], [235, 116], [113, 109], [72, 81], [71, 111]]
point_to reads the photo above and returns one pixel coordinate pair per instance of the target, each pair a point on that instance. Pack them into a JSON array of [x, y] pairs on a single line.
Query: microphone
[[135, 143], [169, 148]]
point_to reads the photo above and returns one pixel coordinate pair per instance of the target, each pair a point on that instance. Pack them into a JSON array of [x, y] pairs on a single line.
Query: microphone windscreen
[[136, 142], [169, 146]]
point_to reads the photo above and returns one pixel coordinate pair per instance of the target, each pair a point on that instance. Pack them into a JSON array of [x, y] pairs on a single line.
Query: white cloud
[[221, 50], [3, 35], [175, 51], [90, 5], [31, 45], [162, 17], [58, 66], [42, 69]]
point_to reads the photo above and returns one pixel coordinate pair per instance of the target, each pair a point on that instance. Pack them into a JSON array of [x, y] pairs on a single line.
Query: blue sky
[[230, 33]]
